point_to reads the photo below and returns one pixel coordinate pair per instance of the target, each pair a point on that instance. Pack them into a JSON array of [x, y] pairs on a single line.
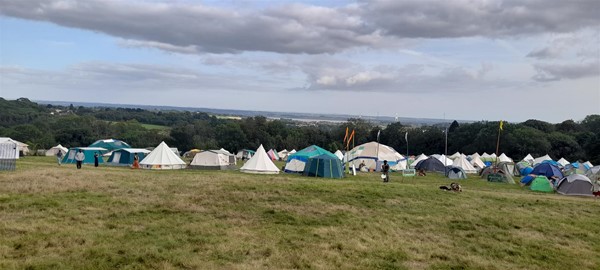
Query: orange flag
[[346, 137], [349, 139]]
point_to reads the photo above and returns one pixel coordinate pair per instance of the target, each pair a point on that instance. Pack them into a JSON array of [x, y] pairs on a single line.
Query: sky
[[509, 60]]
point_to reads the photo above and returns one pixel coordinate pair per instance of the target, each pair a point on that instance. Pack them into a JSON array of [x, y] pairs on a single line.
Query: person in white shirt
[[79, 157]]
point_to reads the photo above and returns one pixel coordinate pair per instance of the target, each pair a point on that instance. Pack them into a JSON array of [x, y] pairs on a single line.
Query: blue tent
[[431, 164], [455, 173], [297, 161], [548, 170], [87, 151], [324, 166], [552, 162], [124, 157], [110, 144]]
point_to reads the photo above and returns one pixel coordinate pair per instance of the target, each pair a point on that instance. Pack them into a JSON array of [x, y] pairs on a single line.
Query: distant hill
[[273, 115]]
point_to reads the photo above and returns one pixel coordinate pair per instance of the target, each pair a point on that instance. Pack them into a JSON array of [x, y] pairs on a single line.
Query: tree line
[[43, 126]]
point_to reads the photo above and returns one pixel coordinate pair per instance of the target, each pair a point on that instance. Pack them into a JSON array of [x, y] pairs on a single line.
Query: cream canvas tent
[[504, 158], [541, 159], [445, 160], [476, 155], [339, 154], [283, 154], [162, 158], [419, 158], [9, 153], [54, 150], [477, 163], [214, 160], [260, 163], [529, 158], [455, 156], [463, 163], [373, 154], [563, 162]]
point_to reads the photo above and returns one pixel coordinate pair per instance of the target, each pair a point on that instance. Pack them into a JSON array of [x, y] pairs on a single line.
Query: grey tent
[[453, 172], [431, 164], [503, 172], [575, 184]]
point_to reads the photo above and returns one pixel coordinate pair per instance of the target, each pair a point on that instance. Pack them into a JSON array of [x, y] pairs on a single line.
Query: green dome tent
[[324, 166], [110, 144], [542, 184], [297, 161]]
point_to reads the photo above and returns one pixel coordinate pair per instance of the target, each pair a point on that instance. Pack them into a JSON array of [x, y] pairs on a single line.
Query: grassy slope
[[106, 218]]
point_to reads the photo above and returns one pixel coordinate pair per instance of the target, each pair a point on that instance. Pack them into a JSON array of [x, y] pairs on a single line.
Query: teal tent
[[87, 151], [110, 144], [124, 157], [297, 161], [324, 166]]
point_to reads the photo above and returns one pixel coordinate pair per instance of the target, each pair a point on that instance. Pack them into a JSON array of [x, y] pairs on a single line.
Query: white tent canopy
[[9, 148], [589, 164], [528, 158], [563, 161], [455, 155], [445, 160], [339, 154], [162, 158], [463, 163], [541, 159], [54, 150], [419, 158], [476, 155], [260, 163], [504, 158], [372, 152], [477, 163]]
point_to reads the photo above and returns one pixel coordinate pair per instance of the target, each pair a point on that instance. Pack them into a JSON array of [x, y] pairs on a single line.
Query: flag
[[346, 137], [378, 132], [501, 124], [350, 138], [406, 136]]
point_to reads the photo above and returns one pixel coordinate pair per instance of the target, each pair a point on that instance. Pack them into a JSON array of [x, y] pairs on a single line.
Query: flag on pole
[[378, 133], [501, 124], [346, 137], [349, 139], [406, 136]]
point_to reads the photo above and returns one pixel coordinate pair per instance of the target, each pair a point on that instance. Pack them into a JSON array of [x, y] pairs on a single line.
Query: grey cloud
[[465, 18], [545, 53], [305, 29], [556, 72]]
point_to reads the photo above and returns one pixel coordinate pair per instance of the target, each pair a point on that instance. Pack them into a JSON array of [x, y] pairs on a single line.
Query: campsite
[[114, 217]]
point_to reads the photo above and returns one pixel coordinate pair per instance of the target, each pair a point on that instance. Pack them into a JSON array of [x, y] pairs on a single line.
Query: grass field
[[155, 127], [107, 218]]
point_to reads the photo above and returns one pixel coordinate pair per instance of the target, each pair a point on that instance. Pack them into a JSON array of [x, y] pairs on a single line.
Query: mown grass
[[155, 127], [105, 218]]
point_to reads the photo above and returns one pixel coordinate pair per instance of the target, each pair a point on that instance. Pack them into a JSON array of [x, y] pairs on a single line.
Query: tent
[[548, 170], [325, 165], [110, 144], [504, 158], [445, 160], [562, 162], [475, 155], [502, 169], [477, 163], [89, 152], [464, 164], [124, 156], [54, 150], [593, 173], [588, 164], [244, 154], [524, 167], [175, 151], [542, 184], [283, 154], [339, 154], [9, 153], [455, 155], [431, 164], [162, 158], [575, 184], [574, 168], [191, 153], [419, 158], [373, 154], [214, 160], [455, 173], [273, 155], [297, 161], [260, 163], [529, 159], [541, 159]]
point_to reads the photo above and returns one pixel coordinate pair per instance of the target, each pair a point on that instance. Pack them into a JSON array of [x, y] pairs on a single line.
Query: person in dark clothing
[[385, 170], [96, 159]]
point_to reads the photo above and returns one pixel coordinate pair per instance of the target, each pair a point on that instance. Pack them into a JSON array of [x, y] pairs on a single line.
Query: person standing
[[385, 169], [79, 157], [59, 156], [136, 161], [96, 159]]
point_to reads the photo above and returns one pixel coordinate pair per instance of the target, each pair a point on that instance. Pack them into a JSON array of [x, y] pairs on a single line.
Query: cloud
[[545, 53], [305, 29], [556, 72], [468, 18]]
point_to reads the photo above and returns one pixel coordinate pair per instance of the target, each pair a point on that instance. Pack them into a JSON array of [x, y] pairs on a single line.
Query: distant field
[[117, 218], [157, 127]]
